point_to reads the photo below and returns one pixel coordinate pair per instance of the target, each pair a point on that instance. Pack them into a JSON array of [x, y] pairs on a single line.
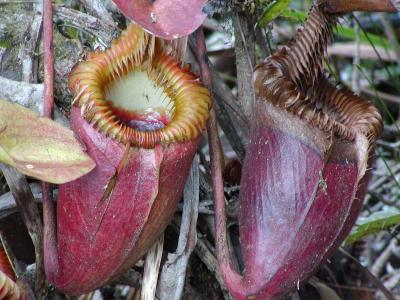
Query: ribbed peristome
[[135, 49], [294, 80]]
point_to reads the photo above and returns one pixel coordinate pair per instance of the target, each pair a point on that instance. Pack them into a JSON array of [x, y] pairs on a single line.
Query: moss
[[5, 44]]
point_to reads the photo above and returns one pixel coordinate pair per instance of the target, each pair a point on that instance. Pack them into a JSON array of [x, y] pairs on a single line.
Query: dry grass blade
[[151, 270], [172, 278]]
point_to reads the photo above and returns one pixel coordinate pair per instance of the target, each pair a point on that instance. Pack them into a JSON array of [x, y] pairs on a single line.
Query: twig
[[366, 51], [203, 208], [376, 184], [208, 258], [98, 9], [30, 215], [345, 6], [393, 281], [385, 201], [3, 2], [392, 131], [229, 113], [250, 56], [27, 94], [356, 62], [375, 280], [27, 49], [133, 294], [131, 278], [172, 277], [262, 41], [383, 96], [352, 287], [391, 35], [392, 146], [151, 267], [382, 259], [223, 91], [86, 23], [8, 205], [245, 60]]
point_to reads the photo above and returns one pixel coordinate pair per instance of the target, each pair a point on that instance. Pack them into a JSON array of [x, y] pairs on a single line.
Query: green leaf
[[273, 10], [349, 33], [294, 14], [39, 147], [376, 222]]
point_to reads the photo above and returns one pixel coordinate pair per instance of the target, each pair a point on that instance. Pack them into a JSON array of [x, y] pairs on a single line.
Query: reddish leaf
[[164, 18], [39, 147]]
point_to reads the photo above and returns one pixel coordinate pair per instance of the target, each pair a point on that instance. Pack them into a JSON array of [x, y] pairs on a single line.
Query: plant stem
[[49, 232], [216, 157], [214, 142], [48, 58]]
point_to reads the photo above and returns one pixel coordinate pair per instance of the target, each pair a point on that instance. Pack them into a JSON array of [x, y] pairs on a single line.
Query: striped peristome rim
[[294, 80], [135, 49]]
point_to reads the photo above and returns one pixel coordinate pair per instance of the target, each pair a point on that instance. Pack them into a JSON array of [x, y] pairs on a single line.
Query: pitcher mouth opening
[[138, 94], [148, 109]]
